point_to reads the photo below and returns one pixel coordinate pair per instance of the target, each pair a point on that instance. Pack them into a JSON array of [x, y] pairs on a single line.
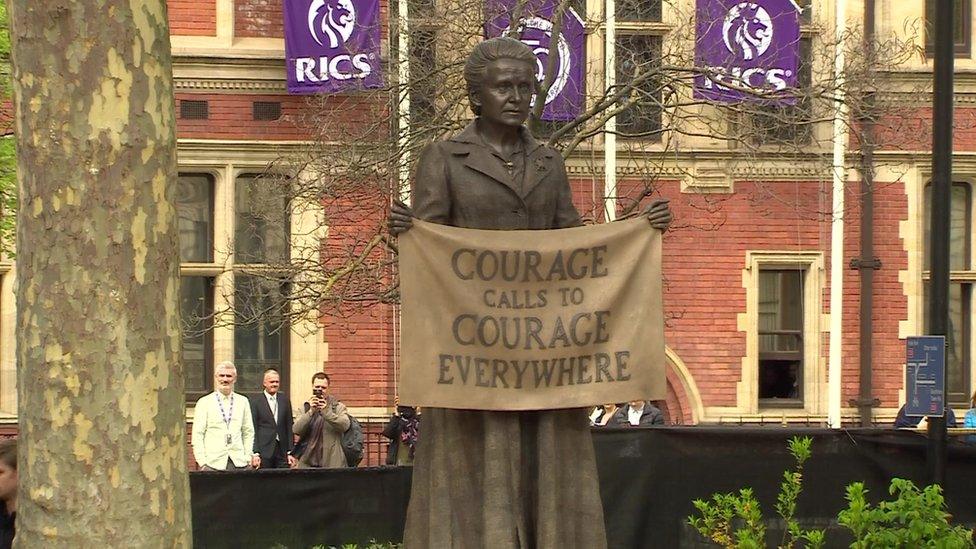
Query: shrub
[[915, 518], [736, 520]]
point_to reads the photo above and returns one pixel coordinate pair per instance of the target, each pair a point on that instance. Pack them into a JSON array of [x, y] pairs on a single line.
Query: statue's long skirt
[[498, 480]]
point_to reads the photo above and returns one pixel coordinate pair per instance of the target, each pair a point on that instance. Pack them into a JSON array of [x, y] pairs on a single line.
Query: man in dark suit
[[272, 416], [637, 413]]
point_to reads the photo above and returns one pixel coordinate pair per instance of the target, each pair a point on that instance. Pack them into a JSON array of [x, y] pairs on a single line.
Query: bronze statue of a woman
[[486, 479]]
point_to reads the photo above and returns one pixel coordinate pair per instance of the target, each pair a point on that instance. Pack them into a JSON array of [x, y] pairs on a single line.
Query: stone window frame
[[306, 350], [965, 277], [814, 366]]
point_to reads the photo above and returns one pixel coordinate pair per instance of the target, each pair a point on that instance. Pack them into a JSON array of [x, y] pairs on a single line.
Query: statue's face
[[506, 92]]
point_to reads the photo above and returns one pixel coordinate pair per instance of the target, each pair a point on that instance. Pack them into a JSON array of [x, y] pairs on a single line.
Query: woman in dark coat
[[501, 479], [403, 430]]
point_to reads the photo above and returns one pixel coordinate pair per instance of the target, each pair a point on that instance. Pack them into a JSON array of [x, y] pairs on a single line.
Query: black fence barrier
[[648, 480]]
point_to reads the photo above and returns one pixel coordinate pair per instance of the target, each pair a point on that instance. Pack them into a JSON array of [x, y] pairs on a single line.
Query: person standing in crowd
[[223, 432], [321, 427], [969, 420], [637, 413], [403, 430], [904, 421], [271, 412], [8, 491], [602, 414]]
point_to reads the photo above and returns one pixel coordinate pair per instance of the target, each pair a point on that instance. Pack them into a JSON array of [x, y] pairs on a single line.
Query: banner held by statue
[[531, 320]]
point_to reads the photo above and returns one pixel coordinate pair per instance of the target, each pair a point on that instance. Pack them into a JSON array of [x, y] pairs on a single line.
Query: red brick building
[[747, 261]]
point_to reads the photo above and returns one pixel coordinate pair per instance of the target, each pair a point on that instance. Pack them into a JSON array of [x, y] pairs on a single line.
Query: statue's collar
[[470, 135]]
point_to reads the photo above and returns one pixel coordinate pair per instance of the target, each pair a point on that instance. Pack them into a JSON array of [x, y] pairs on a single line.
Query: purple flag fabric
[[747, 51], [565, 98], [332, 46]]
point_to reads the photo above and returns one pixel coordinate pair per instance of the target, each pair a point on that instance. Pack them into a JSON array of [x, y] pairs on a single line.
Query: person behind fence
[[904, 421], [603, 414], [271, 412], [637, 413], [321, 427], [8, 491], [403, 430], [223, 432], [969, 420], [490, 478]]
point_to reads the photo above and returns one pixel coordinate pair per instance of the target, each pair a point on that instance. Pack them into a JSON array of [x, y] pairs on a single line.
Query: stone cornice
[[197, 74], [922, 98], [693, 168], [961, 77], [217, 85], [913, 87], [779, 172], [218, 152]]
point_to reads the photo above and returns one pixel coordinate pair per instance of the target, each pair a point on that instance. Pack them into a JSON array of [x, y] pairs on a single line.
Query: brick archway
[[683, 405]]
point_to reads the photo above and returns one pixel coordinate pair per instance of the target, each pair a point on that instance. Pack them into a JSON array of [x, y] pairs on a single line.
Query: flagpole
[[610, 127], [402, 154], [834, 365], [403, 104]]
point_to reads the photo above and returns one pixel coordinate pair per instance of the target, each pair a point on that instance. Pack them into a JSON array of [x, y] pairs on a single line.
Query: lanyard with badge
[[226, 417]]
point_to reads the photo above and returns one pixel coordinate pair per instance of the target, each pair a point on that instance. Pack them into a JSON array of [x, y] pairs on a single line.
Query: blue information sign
[[925, 376]]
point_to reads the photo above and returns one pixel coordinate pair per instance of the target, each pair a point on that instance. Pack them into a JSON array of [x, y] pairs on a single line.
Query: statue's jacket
[[460, 182]]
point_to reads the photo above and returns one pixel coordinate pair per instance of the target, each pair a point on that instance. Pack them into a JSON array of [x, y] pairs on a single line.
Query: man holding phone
[[321, 427]]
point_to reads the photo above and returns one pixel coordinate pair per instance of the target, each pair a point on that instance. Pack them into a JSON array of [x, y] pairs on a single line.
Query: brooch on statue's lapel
[[541, 165]]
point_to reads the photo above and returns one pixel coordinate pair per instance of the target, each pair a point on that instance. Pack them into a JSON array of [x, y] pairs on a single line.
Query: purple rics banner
[[565, 98], [332, 45], [747, 51]]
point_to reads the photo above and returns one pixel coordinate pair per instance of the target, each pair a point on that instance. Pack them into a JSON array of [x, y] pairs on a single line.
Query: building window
[[261, 227], [637, 59], [423, 69], [266, 110], [195, 210], [261, 257], [780, 333], [196, 310], [260, 329], [962, 275], [425, 81], [783, 371], [760, 124], [195, 222], [194, 110], [643, 11], [961, 28], [788, 124], [257, 231]]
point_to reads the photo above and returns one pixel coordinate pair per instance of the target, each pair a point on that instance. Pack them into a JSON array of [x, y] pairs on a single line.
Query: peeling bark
[[103, 452]]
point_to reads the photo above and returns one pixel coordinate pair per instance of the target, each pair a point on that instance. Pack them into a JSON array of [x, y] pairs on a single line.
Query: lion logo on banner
[[332, 21], [747, 30], [536, 33]]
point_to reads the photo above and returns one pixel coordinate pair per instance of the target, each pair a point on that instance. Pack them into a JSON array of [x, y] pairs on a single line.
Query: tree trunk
[[102, 458]]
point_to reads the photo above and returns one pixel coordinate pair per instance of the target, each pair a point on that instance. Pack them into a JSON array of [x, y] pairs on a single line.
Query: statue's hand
[[658, 213], [401, 218]]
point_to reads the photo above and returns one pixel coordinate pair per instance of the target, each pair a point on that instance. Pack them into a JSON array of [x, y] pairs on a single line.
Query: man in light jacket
[[223, 432]]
